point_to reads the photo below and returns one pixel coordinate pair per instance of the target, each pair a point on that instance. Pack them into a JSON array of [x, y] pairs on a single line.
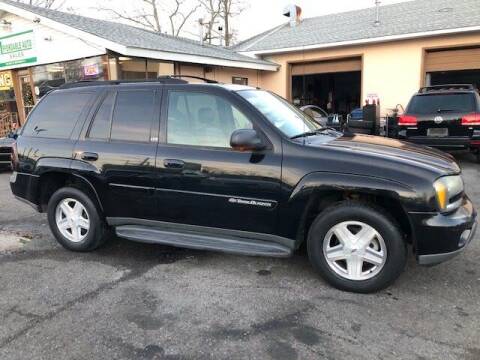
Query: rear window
[[56, 115], [437, 103]]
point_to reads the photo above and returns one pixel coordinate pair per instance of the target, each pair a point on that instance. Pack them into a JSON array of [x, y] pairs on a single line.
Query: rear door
[[116, 151], [440, 115], [48, 136], [202, 180]]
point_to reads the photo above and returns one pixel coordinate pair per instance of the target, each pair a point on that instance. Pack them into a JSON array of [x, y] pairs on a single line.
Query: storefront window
[[8, 105], [132, 69], [51, 76], [127, 68]]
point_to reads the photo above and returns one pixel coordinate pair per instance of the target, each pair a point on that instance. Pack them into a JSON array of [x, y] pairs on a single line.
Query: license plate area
[[437, 132]]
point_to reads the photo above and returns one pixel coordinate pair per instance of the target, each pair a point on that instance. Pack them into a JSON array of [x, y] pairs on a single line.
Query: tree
[[213, 9], [224, 11], [151, 14], [178, 18], [230, 8], [49, 4]]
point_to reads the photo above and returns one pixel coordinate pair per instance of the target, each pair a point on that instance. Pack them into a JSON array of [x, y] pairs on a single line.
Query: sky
[[259, 16]]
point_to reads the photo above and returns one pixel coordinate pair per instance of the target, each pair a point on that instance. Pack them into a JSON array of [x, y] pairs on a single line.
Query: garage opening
[[335, 86], [453, 66]]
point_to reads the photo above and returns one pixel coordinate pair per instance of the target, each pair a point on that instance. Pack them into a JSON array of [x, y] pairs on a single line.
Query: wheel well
[[51, 182], [324, 199]]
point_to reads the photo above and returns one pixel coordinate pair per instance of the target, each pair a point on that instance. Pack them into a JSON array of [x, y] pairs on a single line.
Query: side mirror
[[246, 140]]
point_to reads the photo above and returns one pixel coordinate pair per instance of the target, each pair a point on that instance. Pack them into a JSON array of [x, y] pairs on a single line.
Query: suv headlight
[[449, 190]]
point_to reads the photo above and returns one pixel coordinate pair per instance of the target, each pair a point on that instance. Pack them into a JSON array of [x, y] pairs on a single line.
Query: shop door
[[27, 97]]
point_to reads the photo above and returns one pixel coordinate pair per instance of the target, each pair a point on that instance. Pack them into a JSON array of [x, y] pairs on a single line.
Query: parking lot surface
[[138, 301]]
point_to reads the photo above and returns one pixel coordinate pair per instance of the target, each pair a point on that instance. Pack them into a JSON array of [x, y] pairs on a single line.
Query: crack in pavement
[[130, 275]]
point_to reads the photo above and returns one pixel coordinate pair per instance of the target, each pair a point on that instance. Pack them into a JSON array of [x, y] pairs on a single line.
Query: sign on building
[[6, 82], [17, 49]]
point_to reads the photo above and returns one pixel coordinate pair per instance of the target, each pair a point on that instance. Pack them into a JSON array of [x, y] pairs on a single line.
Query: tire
[[83, 240], [356, 274]]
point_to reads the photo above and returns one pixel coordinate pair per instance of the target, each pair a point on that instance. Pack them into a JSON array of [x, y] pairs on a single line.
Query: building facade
[[341, 60]]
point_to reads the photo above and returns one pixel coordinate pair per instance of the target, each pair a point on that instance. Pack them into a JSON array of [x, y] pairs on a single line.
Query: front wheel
[[75, 220], [355, 247]]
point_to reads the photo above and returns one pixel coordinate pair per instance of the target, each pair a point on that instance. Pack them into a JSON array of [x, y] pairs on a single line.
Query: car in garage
[[316, 113], [443, 116], [240, 170]]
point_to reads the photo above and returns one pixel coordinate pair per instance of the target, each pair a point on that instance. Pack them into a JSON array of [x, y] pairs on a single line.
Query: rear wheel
[[355, 247], [75, 220]]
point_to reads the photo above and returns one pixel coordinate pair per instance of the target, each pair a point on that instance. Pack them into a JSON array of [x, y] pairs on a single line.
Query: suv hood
[[380, 147]]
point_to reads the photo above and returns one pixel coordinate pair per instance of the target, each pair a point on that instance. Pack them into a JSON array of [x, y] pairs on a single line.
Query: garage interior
[[453, 66], [334, 85]]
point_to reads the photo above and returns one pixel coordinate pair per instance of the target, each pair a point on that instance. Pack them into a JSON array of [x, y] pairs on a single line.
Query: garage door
[[324, 67], [452, 60], [460, 66], [333, 85]]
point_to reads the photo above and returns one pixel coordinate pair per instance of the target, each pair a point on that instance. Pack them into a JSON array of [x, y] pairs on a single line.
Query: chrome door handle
[[89, 156], [174, 164]]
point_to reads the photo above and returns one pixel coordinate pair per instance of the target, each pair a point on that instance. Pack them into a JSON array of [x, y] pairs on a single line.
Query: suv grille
[[5, 155]]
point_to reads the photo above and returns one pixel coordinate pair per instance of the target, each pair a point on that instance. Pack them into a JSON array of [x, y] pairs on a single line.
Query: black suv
[[240, 170], [443, 116]]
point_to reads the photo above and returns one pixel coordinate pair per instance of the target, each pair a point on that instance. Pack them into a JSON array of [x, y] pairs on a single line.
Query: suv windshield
[[286, 117], [437, 103]]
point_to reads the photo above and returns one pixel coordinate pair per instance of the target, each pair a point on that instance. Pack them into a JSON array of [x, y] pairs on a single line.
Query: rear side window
[[56, 115], [100, 128], [133, 115], [438, 103]]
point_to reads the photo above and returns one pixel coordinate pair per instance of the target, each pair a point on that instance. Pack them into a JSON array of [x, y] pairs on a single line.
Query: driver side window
[[201, 119]]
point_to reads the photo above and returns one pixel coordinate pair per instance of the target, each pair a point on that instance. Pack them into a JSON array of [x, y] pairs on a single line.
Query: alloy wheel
[[72, 220], [354, 250]]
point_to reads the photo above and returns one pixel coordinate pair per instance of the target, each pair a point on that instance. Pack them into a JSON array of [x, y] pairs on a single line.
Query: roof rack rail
[[86, 83], [447, 87], [208, 81]]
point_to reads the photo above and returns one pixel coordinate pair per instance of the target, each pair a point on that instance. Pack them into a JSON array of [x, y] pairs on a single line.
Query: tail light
[[407, 120], [471, 119]]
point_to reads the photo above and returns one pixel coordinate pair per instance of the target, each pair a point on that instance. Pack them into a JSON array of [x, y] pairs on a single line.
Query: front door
[[117, 152], [27, 97], [202, 180]]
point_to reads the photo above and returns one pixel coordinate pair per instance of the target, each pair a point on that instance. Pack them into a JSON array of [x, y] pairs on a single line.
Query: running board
[[214, 242]]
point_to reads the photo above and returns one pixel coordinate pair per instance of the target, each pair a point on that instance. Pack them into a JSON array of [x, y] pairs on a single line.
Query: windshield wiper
[[444, 110], [319, 131]]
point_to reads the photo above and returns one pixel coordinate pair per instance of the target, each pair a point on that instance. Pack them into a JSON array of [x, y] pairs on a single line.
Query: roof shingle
[[397, 19], [132, 36]]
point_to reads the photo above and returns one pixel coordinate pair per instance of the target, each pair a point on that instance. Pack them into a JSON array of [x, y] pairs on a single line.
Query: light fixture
[[123, 58], [6, 25]]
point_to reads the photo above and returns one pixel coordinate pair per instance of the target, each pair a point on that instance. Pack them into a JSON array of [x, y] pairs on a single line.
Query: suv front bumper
[[440, 237]]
